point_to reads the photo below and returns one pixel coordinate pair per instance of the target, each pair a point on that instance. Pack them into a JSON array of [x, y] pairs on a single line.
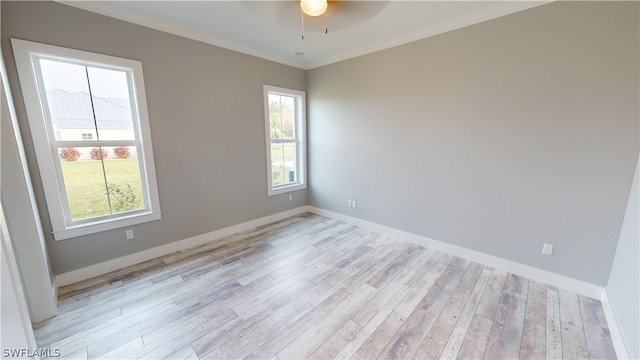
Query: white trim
[[561, 281], [25, 53], [547, 277], [166, 26], [42, 307], [502, 8], [300, 140], [141, 256], [617, 335], [94, 227]]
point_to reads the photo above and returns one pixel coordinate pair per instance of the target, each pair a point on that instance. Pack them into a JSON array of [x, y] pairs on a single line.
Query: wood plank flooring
[[312, 287]]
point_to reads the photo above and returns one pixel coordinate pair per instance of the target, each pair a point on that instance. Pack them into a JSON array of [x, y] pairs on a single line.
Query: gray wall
[[623, 289], [207, 125], [498, 137]]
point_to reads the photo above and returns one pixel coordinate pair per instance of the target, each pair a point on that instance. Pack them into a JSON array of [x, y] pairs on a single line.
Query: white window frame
[[26, 54], [301, 139]]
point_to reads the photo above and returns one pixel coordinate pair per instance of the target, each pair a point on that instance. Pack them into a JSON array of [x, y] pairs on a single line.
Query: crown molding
[[102, 8], [498, 10]]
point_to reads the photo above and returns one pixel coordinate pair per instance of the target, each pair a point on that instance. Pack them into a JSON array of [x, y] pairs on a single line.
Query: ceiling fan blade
[[341, 14]]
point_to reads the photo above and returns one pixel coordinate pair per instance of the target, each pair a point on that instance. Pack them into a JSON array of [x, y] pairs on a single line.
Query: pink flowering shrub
[[70, 154], [122, 152], [95, 154]]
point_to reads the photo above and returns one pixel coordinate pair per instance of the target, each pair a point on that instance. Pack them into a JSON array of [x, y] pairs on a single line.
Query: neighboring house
[[72, 116]]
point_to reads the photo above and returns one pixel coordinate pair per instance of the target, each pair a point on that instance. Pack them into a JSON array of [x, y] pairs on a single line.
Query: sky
[[73, 78]]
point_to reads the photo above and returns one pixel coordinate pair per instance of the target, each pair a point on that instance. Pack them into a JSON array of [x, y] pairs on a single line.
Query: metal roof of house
[[73, 110]]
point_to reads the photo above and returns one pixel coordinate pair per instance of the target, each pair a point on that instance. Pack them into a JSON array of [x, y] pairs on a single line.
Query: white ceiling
[[272, 29]]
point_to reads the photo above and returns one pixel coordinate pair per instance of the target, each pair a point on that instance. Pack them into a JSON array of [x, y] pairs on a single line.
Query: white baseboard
[[561, 281], [136, 258], [530, 272], [614, 328]]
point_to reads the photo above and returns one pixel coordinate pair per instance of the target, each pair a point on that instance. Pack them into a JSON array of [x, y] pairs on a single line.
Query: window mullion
[[93, 143], [284, 141]]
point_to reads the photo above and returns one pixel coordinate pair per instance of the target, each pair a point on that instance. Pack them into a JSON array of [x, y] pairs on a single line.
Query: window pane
[[288, 116], [100, 180], [84, 183], [283, 160], [71, 109], [110, 90], [123, 179], [84, 180], [68, 100], [281, 116], [95, 103]]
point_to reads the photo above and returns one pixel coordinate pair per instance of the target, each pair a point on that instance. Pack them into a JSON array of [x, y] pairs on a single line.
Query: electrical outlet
[[354, 204], [129, 234], [547, 249], [290, 197], [349, 203]]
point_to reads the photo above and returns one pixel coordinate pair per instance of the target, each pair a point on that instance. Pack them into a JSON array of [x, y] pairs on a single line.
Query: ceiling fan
[[316, 8], [343, 13]]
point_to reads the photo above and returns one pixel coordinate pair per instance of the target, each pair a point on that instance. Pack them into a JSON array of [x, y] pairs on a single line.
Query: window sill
[[111, 224], [286, 189]]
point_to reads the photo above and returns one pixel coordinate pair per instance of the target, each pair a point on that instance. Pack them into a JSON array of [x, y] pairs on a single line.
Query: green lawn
[[86, 191], [85, 184]]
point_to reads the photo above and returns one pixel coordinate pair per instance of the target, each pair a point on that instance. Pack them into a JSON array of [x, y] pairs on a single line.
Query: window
[[88, 118], [286, 139]]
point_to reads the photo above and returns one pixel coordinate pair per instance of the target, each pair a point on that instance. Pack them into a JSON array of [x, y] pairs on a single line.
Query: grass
[[87, 194], [85, 184]]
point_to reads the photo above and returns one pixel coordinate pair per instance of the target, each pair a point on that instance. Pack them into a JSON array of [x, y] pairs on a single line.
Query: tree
[[281, 116]]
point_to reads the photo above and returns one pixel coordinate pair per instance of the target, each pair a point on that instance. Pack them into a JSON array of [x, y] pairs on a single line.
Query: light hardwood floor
[[312, 287]]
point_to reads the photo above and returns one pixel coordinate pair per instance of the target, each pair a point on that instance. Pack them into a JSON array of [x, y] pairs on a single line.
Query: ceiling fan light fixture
[[313, 7]]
